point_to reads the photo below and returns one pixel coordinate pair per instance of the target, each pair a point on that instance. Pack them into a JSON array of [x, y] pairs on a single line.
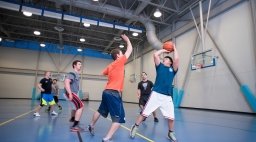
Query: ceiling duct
[[107, 9], [115, 11]]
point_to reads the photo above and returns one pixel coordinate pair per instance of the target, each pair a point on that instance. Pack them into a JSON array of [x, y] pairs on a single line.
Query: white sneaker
[[133, 131], [54, 113], [36, 114]]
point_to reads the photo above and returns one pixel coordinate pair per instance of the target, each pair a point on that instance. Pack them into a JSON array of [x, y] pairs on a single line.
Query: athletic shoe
[[171, 136], [76, 129], [133, 131], [109, 140], [54, 113], [156, 119], [36, 114], [91, 130]]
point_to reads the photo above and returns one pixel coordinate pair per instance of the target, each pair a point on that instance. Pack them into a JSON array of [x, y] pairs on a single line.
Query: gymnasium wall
[[18, 67], [215, 87], [130, 83]]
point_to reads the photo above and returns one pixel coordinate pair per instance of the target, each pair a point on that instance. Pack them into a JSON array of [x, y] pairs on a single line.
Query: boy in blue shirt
[[161, 96]]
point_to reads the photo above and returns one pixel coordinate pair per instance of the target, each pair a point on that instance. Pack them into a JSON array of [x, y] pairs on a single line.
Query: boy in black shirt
[[45, 86], [144, 91]]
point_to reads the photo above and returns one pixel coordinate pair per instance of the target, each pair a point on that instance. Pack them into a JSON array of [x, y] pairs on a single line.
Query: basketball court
[[200, 56]]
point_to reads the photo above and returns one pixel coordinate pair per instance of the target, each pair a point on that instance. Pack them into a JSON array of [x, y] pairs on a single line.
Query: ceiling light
[[135, 34], [121, 46], [0, 39], [37, 33], [87, 24], [79, 49], [95, 0], [26, 13], [157, 13], [42, 45], [82, 39]]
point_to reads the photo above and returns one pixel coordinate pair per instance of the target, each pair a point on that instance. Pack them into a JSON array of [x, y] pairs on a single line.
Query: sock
[[75, 123], [72, 119]]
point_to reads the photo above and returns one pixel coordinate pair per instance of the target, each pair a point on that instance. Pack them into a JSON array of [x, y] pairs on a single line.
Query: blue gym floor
[[17, 124]]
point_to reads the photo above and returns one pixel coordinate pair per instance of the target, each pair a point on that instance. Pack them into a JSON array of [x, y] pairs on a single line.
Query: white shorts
[[157, 100]]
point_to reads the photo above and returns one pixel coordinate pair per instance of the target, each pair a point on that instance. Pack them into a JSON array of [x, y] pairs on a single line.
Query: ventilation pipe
[[116, 11], [151, 34]]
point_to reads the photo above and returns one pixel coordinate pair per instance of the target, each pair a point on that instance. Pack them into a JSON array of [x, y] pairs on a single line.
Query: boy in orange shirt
[[111, 97]]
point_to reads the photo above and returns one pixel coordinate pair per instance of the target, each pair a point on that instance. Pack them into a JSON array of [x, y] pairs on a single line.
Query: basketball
[[168, 46]]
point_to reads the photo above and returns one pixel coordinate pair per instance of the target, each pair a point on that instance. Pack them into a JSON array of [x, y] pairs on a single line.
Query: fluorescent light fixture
[[157, 13], [26, 13], [10, 6], [71, 18], [52, 14], [37, 33], [82, 39], [0, 39], [135, 30], [31, 10], [87, 24], [42, 45], [121, 27], [89, 21], [95, 0], [135, 34], [79, 49], [121, 46], [104, 24]]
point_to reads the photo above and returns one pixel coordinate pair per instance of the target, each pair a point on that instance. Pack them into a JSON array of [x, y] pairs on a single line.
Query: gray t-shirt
[[75, 80], [55, 89]]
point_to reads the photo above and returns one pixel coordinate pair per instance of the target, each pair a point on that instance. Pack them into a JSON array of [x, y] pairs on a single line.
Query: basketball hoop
[[199, 67]]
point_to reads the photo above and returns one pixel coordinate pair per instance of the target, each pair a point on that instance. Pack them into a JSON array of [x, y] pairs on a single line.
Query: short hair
[[170, 58], [55, 79], [75, 63], [46, 72], [144, 72], [114, 53]]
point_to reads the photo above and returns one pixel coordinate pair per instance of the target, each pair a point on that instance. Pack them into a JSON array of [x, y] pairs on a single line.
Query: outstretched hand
[[125, 38], [166, 51]]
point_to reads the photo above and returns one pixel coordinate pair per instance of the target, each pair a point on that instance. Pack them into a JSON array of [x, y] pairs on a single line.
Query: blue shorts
[[112, 103], [47, 99]]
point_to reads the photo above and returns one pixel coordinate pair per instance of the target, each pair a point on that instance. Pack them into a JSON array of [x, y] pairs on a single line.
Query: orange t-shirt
[[115, 73]]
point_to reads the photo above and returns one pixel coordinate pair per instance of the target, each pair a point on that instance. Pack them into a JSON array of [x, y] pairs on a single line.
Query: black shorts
[[143, 100], [56, 99]]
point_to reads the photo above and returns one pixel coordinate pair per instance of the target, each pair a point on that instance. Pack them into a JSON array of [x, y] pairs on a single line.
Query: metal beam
[[108, 9], [55, 32], [56, 39], [59, 24], [138, 10], [160, 6], [47, 22], [4, 31], [68, 26], [224, 59], [167, 33]]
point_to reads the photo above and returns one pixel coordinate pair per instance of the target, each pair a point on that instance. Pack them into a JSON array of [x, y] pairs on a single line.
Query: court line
[[12, 119], [79, 136], [138, 134]]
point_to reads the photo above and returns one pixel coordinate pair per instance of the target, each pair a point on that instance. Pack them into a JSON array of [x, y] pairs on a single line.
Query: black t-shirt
[[46, 85], [145, 87]]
